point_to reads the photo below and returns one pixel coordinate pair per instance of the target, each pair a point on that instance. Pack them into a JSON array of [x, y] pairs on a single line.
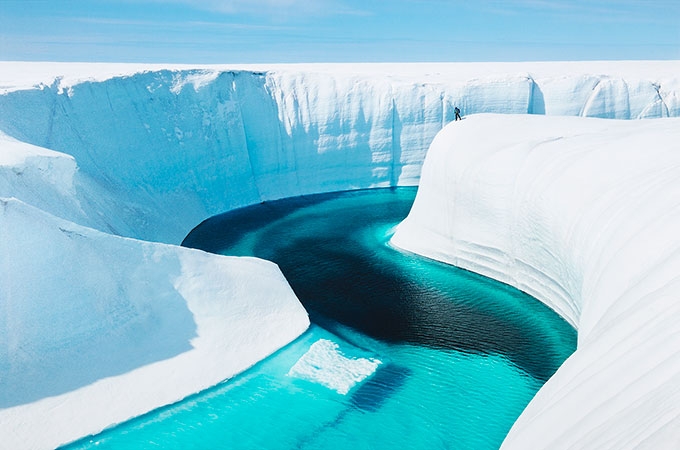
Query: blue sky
[[251, 31]]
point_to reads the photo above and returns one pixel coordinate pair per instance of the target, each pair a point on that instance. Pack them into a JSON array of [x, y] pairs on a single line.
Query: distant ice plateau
[[104, 168]]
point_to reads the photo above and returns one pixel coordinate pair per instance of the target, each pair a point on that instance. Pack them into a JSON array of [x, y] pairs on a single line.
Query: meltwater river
[[454, 357]]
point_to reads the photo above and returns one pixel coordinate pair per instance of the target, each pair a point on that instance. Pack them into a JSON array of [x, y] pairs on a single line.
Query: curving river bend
[[461, 355]]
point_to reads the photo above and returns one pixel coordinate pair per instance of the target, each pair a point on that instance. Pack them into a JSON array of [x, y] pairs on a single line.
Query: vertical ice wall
[[170, 148], [583, 214]]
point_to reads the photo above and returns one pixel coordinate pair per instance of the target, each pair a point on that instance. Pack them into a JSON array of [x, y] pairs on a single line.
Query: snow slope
[[93, 152], [582, 214], [97, 329]]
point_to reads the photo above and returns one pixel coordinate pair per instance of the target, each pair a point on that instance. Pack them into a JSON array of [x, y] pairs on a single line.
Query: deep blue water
[[461, 355]]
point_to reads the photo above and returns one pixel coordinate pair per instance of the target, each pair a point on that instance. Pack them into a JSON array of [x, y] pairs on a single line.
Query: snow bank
[[97, 329], [582, 214]]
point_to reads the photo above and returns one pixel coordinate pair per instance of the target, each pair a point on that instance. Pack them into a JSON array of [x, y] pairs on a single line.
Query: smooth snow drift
[[584, 215], [97, 329], [93, 152]]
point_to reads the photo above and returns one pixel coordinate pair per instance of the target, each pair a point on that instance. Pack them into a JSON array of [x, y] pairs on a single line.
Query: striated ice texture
[[95, 156], [582, 214], [160, 151]]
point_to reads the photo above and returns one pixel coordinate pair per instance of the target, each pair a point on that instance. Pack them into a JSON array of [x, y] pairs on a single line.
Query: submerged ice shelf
[[324, 364], [149, 152]]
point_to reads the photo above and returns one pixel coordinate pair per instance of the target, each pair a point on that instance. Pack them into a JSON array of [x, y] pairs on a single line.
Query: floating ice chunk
[[326, 365]]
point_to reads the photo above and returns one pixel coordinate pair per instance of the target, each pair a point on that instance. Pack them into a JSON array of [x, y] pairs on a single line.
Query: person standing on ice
[[457, 111]]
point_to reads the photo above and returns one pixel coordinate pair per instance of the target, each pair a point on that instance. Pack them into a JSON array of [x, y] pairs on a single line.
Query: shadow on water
[[219, 233], [396, 298], [387, 306], [368, 397], [386, 381]]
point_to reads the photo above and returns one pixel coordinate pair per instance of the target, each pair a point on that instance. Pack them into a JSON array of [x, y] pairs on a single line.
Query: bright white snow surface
[[96, 328], [584, 215], [104, 166]]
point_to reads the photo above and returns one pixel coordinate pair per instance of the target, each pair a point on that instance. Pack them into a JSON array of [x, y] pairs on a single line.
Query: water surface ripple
[[461, 355]]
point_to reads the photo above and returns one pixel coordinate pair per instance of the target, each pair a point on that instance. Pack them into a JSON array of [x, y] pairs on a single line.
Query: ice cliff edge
[[583, 214], [159, 151]]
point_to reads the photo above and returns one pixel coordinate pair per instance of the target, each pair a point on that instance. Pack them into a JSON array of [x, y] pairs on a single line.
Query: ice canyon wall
[[583, 214], [166, 149], [94, 159]]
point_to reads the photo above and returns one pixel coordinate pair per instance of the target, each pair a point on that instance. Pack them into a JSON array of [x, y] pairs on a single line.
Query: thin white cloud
[[622, 11], [270, 7], [176, 24]]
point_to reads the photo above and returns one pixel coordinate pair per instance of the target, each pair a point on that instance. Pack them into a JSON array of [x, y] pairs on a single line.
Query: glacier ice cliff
[[104, 166], [582, 214], [165, 149]]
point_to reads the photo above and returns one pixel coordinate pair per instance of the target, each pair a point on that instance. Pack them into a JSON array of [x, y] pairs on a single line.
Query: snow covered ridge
[[584, 215]]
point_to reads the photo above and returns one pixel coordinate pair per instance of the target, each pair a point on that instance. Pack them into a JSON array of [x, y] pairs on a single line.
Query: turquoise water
[[460, 355]]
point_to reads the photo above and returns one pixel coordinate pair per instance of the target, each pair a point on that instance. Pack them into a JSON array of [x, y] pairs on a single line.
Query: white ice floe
[[584, 215], [325, 364]]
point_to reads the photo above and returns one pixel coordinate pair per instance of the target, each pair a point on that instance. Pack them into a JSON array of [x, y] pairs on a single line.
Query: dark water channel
[[460, 355]]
